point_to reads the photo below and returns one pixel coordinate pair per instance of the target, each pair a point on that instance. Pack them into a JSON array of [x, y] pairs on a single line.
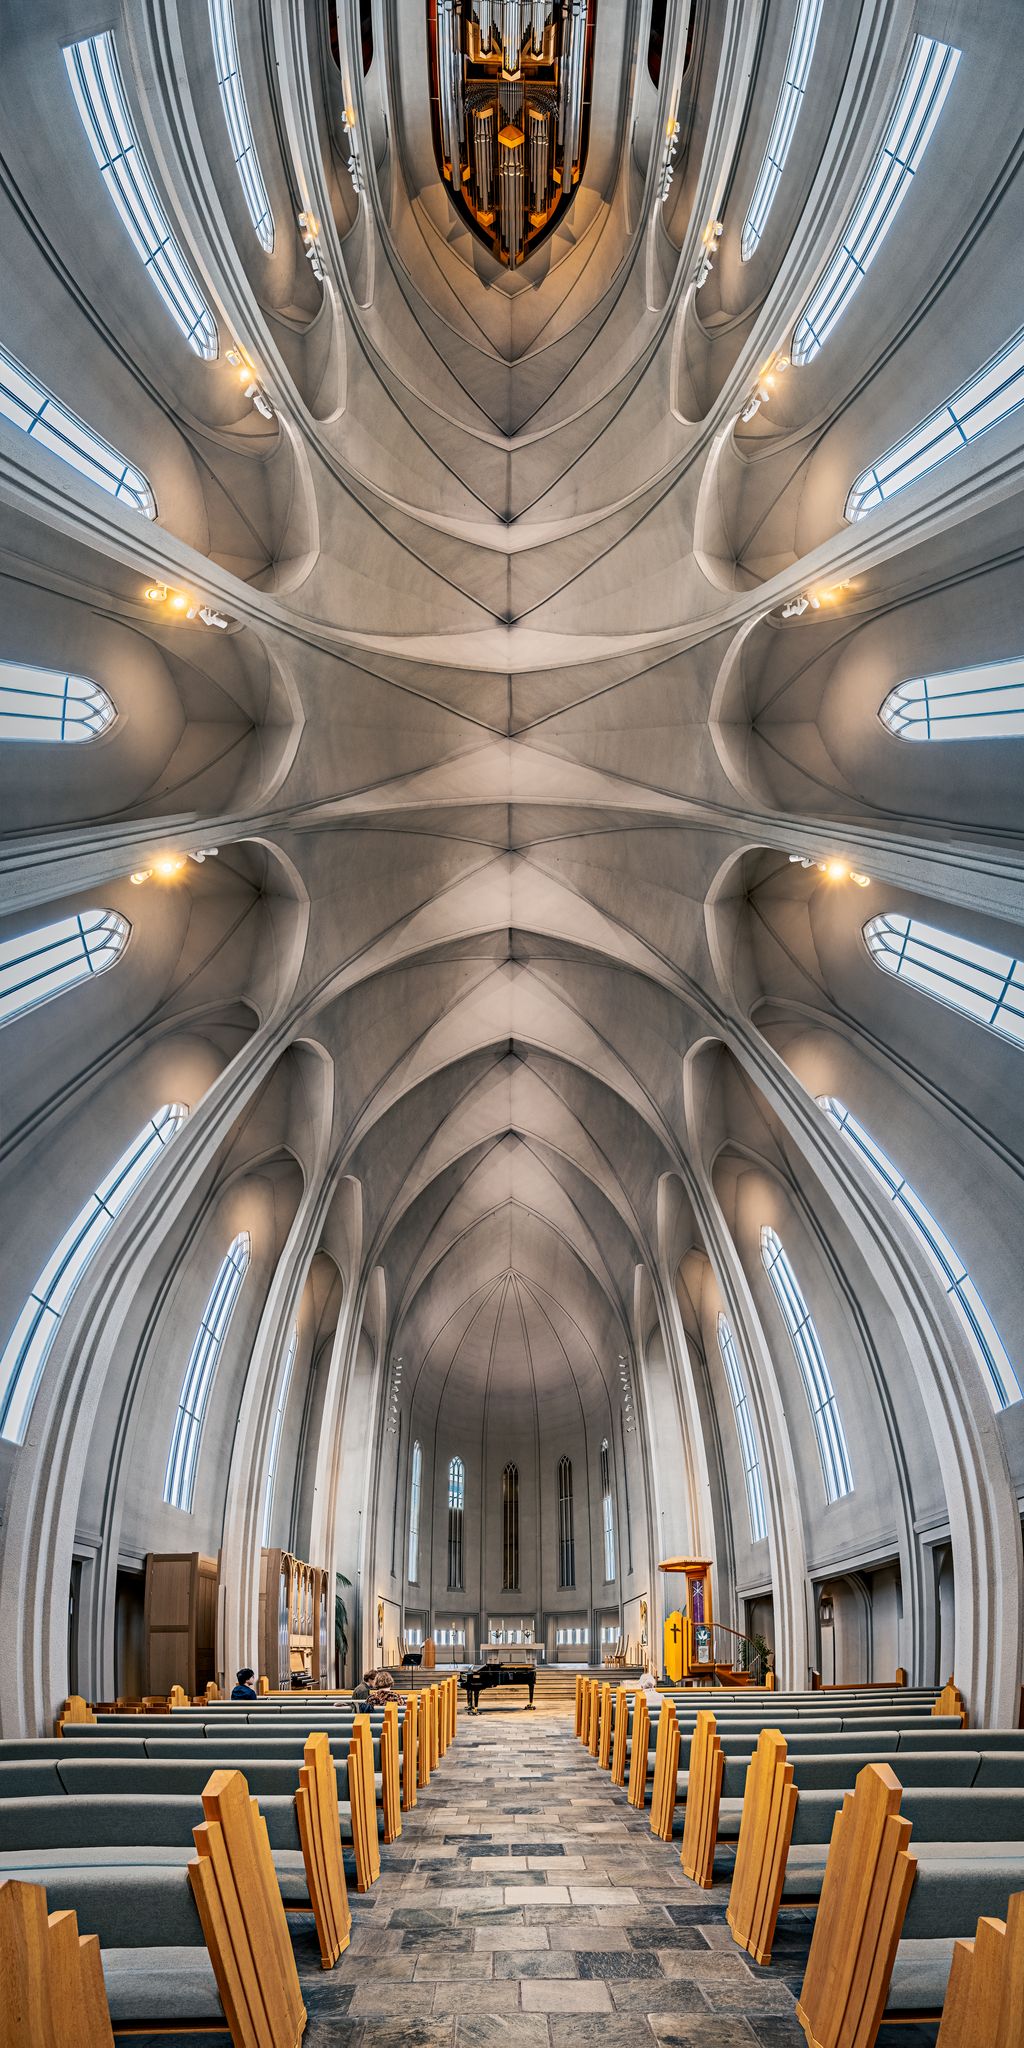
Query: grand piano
[[481, 1677]]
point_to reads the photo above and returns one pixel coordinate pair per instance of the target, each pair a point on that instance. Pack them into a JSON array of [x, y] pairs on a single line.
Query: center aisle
[[527, 1904]]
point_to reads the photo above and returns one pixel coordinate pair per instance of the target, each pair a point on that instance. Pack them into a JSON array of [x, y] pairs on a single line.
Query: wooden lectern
[[689, 1629]]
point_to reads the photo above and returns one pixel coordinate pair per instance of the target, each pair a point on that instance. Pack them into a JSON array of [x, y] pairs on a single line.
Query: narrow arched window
[[366, 33], [275, 1440], [30, 406], [744, 1430], [978, 980], [510, 1529], [197, 1385], [236, 114], [985, 1341], [98, 86], [982, 703], [45, 704], [415, 1490], [607, 1512], [656, 40], [27, 1348], [456, 1520], [787, 114], [919, 102], [57, 957], [566, 1528], [821, 1395], [996, 391]]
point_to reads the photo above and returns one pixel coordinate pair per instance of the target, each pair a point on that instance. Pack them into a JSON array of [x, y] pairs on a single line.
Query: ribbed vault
[[502, 1003]]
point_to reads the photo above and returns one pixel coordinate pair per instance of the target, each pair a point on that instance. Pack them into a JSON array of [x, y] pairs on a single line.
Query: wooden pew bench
[[200, 1945], [141, 1777], [889, 1916]]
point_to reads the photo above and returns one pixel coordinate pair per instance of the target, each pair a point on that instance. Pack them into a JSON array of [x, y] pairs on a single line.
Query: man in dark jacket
[[243, 1690]]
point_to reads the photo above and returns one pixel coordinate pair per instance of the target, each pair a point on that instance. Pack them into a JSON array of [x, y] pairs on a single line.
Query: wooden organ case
[[510, 87], [296, 1624]]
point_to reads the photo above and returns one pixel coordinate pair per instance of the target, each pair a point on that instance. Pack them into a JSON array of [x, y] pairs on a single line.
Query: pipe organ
[[511, 97]]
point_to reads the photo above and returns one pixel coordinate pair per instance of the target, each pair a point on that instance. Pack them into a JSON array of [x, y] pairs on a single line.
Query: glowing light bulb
[[861, 881], [141, 875], [169, 865], [156, 593], [836, 870]]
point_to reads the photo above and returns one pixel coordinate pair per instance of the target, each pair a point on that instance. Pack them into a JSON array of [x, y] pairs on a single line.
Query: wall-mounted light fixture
[[309, 228], [812, 600], [775, 368], [709, 242], [248, 378], [394, 1396], [169, 867], [184, 607], [834, 870]]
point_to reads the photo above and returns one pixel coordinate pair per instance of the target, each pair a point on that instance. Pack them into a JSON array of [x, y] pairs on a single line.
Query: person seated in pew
[[243, 1688], [382, 1688]]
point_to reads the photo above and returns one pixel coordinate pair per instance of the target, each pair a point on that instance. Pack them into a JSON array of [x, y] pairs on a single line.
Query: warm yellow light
[[156, 593], [836, 870], [140, 875], [169, 865], [178, 602]]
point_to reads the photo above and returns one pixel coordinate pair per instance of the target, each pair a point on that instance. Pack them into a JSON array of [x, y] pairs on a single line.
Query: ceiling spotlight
[[156, 593], [141, 875]]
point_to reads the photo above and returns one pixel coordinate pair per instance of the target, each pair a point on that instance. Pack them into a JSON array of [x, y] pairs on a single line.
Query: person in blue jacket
[[243, 1690]]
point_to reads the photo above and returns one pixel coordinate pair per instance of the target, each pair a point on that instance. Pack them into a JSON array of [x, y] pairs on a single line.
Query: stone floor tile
[[452, 1969], [527, 1895], [501, 2030], [511, 1940], [542, 1963], [472, 1998], [617, 1963], [571, 1996], [675, 2030]]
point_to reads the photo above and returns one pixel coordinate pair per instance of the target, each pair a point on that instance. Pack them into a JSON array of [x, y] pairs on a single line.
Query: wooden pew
[[884, 1919], [51, 1977], [985, 1995], [220, 1913], [951, 1701], [74, 1712]]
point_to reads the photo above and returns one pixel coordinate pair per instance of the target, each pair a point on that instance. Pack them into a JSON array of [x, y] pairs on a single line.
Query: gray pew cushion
[[160, 1984], [953, 1891], [29, 1781], [976, 1817], [920, 1975], [135, 1905]]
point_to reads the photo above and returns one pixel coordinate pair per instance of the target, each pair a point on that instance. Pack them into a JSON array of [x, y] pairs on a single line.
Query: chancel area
[[511, 1024]]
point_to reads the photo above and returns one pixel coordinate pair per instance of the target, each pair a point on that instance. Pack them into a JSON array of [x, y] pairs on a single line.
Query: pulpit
[[689, 1629]]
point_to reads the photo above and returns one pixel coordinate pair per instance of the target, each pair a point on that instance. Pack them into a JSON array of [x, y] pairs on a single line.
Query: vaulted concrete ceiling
[[507, 742]]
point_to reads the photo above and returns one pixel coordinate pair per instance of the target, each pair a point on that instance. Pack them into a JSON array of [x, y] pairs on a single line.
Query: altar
[[512, 1653]]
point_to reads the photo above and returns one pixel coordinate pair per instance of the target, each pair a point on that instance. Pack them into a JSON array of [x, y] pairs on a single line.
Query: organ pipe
[[511, 101]]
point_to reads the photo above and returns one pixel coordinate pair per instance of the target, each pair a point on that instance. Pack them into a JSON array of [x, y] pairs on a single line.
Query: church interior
[[511, 1023]]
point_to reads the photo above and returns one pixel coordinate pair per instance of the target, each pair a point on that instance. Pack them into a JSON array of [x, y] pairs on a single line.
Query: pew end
[[243, 1918], [52, 1977]]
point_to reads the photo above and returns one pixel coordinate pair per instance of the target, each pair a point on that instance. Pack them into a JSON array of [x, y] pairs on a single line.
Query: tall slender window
[[415, 1489], [982, 703], [977, 980], [996, 391], [986, 1343], [197, 1385], [510, 1529], [456, 1520], [275, 1440], [27, 1348], [787, 114], [566, 1528], [744, 1430], [98, 87], [58, 956], [607, 1512], [48, 705], [236, 114], [30, 406], [821, 1396], [919, 102]]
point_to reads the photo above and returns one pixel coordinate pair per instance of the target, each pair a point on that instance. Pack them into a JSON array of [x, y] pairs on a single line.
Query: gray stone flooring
[[528, 1906]]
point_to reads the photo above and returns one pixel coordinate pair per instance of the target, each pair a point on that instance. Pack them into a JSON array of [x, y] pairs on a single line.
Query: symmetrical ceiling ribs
[[515, 721]]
